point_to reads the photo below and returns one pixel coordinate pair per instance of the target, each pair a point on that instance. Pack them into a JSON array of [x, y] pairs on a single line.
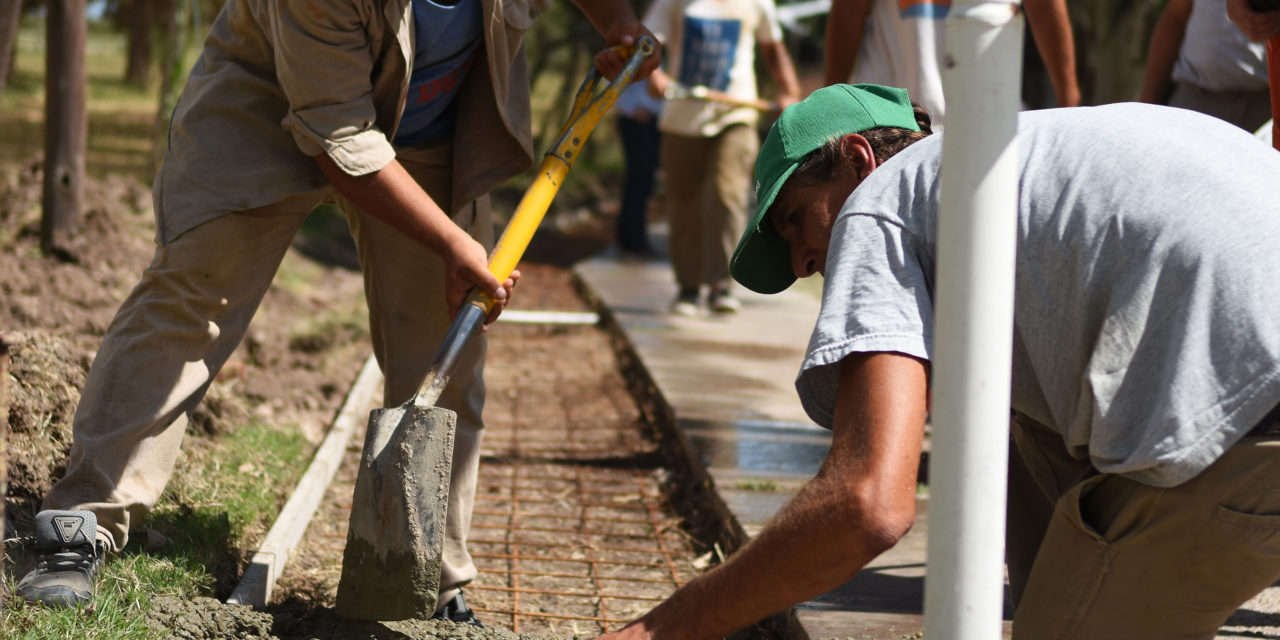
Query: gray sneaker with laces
[[68, 557]]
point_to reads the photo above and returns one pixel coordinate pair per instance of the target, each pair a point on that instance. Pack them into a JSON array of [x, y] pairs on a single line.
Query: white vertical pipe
[[977, 226]]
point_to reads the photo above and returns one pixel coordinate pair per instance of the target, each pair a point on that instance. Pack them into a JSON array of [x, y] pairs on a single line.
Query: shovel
[[677, 91], [391, 564]]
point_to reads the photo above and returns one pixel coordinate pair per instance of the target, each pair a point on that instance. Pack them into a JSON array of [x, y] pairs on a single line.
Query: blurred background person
[[899, 43], [641, 141], [1199, 60], [708, 146]]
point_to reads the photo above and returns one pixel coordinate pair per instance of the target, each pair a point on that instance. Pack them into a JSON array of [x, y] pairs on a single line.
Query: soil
[[55, 309]]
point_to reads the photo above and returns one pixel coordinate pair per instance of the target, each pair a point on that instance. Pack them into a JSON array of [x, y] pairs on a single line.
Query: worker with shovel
[[407, 112], [1145, 473]]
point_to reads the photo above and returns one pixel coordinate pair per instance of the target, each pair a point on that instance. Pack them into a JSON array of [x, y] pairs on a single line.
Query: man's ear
[[859, 153]]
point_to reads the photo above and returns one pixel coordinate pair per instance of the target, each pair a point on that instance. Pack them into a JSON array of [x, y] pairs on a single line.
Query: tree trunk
[[10, 14], [138, 16], [4, 430], [171, 69], [66, 123]]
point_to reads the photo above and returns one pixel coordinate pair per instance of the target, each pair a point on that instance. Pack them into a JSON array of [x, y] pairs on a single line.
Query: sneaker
[[69, 556], [723, 302], [686, 303], [456, 610]]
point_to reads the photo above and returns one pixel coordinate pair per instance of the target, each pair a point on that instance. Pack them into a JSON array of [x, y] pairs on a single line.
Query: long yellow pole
[[588, 109]]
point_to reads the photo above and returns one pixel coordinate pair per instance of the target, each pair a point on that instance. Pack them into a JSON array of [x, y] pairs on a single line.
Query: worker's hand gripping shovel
[[391, 564]]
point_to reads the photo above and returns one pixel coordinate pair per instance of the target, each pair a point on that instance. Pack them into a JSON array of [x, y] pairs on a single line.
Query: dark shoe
[[68, 559], [456, 610]]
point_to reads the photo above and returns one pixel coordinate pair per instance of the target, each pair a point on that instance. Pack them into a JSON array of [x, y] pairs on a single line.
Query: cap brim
[[762, 260]]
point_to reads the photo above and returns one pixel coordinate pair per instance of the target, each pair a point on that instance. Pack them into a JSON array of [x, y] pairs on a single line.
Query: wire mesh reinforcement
[[571, 532]]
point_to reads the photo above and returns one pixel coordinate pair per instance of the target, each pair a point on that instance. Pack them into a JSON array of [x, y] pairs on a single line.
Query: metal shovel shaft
[[467, 323]]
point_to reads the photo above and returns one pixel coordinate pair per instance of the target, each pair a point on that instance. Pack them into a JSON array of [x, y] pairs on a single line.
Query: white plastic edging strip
[[977, 246], [524, 316], [255, 586]]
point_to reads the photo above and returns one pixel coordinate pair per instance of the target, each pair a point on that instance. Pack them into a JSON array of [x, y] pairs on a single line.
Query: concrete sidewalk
[[730, 382]]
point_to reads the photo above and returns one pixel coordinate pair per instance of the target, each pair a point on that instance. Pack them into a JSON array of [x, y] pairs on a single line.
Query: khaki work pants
[[192, 307], [1096, 556], [1248, 110], [708, 187]]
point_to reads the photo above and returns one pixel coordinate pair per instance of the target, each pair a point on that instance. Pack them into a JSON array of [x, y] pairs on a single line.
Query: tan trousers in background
[[192, 307], [1248, 110], [708, 189], [1097, 557]]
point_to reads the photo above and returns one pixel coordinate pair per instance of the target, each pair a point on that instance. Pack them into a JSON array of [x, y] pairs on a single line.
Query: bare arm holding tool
[[617, 22], [861, 502]]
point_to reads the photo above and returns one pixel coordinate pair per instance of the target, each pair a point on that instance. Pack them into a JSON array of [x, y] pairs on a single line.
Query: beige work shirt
[[280, 81]]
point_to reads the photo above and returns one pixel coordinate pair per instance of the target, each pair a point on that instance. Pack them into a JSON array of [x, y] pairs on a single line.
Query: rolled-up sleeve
[[324, 63]]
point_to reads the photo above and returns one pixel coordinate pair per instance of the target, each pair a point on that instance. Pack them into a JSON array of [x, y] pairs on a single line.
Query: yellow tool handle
[[588, 108]]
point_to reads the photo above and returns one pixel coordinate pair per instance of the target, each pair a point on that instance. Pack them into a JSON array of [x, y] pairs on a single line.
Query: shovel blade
[[391, 564]]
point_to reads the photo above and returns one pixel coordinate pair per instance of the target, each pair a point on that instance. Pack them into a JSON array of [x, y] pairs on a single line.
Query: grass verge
[[223, 497]]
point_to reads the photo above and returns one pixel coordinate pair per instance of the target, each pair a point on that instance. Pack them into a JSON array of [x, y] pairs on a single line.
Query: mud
[[209, 619]]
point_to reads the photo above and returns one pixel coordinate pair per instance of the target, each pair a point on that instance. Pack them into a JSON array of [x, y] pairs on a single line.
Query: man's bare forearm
[[394, 197], [859, 504]]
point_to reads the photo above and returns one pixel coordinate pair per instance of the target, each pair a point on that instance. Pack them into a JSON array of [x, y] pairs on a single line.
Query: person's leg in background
[[641, 141], [408, 318], [733, 162], [685, 161]]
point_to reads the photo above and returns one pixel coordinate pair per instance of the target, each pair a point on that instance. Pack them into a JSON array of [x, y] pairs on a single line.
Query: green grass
[[128, 584], [222, 498], [246, 479]]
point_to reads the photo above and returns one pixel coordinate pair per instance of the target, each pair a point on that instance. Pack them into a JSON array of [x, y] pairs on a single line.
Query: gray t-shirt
[[1147, 311]]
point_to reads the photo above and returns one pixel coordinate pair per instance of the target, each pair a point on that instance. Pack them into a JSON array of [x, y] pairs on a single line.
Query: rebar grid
[[571, 532]]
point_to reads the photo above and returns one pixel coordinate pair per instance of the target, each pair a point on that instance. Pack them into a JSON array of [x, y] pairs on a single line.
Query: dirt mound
[[301, 352], [53, 311]]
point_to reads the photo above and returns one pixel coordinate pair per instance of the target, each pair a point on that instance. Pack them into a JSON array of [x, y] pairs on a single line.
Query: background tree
[[66, 122], [137, 18], [10, 12]]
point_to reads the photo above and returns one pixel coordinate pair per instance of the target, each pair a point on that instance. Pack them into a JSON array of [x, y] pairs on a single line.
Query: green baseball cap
[[762, 260]]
